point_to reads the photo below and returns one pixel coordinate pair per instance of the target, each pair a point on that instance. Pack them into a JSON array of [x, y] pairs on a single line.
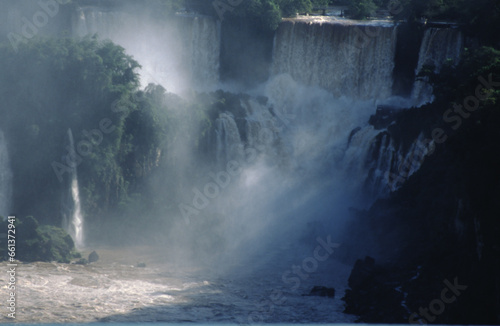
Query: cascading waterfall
[[203, 50], [391, 164], [307, 171], [302, 173], [351, 60], [5, 178], [354, 60], [438, 46], [75, 224], [228, 142], [327, 76], [316, 154], [306, 153], [180, 54], [345, 57]]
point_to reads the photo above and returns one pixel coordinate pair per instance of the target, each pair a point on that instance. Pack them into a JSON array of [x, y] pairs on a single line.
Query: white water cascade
[[75, 224], [5, 178], [180, 53], [438, 46], [228, 141], [345, 57], [307, 167], [299, 173], [356, 60]]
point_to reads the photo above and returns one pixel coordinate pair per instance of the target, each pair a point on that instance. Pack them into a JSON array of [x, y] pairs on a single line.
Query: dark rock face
[[406, 58], [93, 257], [322, 291], [241, 59], [384, 116], [82, 261], [373, 295], [436, 241]]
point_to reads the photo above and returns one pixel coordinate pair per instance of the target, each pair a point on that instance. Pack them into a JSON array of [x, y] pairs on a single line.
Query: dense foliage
[[52, 86], [40, 243], [121, 134], [477, 17], [360, 9], [129, 143], [452, 82]]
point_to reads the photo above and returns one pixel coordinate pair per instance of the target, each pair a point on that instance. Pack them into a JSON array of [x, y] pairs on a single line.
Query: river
[[114, 289]]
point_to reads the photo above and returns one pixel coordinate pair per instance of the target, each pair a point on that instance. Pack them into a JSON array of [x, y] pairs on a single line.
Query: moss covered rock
[[41, 243]]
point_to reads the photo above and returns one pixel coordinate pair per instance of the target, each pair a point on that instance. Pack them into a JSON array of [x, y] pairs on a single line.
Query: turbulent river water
[[113, 289]]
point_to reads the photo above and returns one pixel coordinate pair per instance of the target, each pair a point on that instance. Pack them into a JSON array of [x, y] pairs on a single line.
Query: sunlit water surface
[[115, 290]]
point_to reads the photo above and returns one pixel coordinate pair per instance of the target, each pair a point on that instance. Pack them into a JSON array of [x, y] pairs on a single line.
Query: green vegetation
[[52, 86], [453, 84], [360, 9], [264, 14], [40, 243], [478, 16], [125, 138]]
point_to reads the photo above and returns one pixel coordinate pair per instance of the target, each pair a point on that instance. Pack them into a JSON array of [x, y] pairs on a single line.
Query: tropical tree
[[360, 9]]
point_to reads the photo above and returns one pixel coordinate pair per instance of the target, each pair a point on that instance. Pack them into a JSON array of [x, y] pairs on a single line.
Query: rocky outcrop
[[436, 240], [93, 257], [40, 242], [373, 295], [322, 291]]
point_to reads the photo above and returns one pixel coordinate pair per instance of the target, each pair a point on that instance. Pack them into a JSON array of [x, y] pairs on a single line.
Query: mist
[[294, 176], [232, 150], [296, 166]]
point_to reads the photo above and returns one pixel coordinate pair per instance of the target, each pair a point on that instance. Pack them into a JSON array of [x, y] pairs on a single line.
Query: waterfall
[[391, 164], [356, 60], [180, 54], [5, 178], [353, 61], [345, 57], [325, 76], [258, 129], [438, 46], [303, 174], [203, 49], [75, 225], [228, 142], [314, 150]]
